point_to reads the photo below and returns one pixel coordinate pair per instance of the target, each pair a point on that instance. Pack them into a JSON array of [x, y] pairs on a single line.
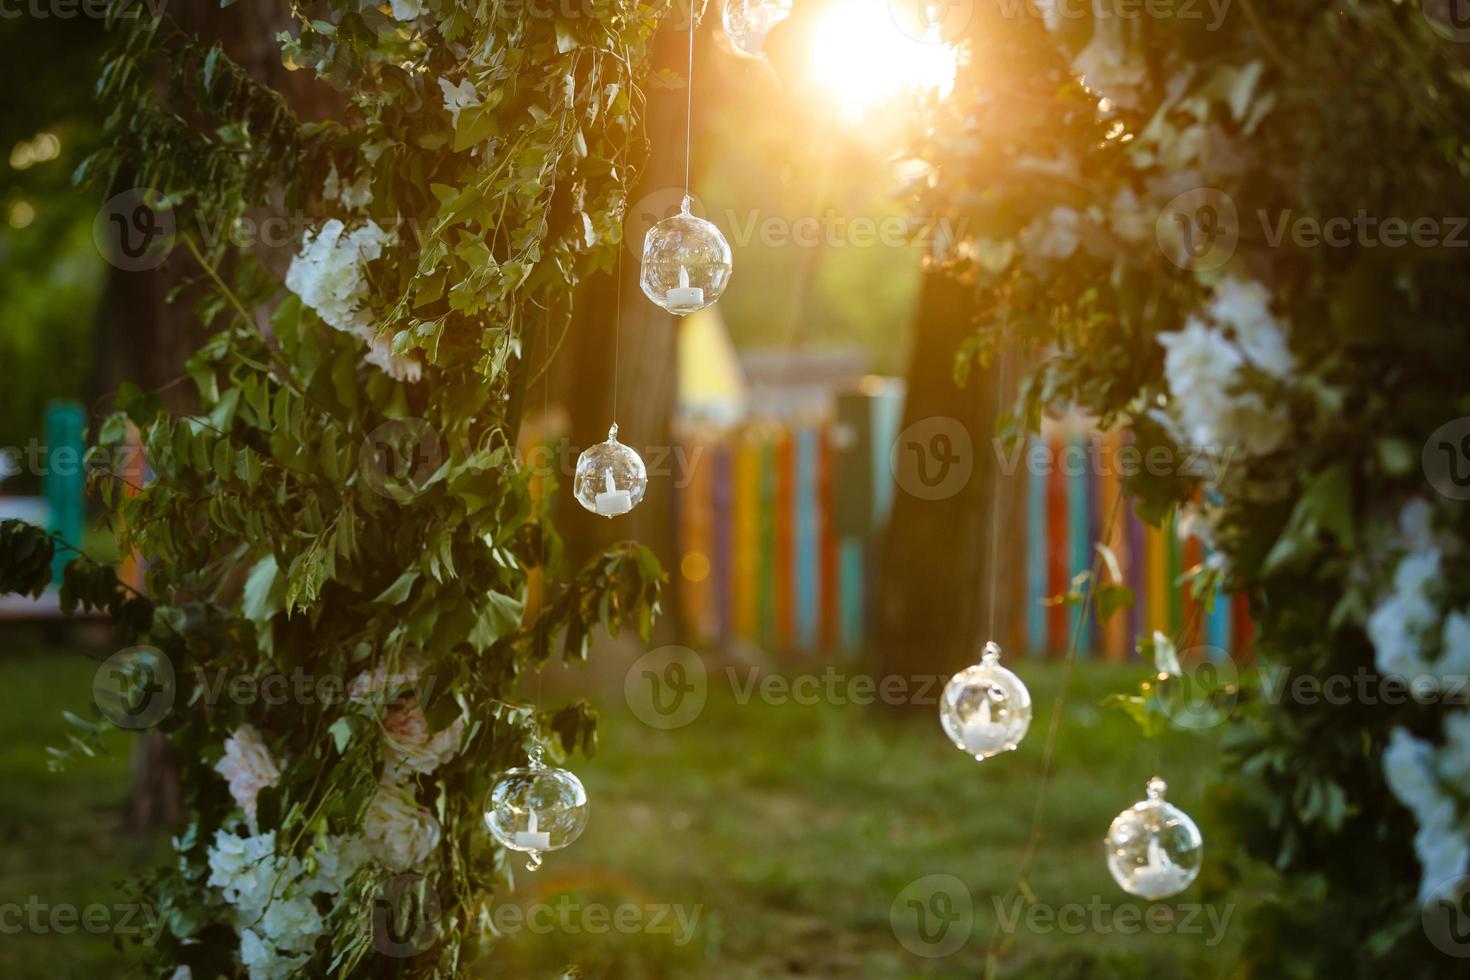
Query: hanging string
[[1002, 374], [1059, 705], [689, 103]]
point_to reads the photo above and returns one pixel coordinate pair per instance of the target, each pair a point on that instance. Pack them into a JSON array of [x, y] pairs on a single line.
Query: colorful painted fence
[[774, 557]]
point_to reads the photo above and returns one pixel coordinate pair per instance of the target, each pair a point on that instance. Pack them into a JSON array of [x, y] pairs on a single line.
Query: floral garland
[[1144, 191], [442, 249]]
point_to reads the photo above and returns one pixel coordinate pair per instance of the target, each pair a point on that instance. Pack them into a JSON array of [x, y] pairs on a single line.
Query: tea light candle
[[684, 294], [983, 736], [612, 501], [1161, 877], [531, 839]]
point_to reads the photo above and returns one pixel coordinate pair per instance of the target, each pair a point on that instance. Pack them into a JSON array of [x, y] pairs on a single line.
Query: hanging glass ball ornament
[[747, 22], [610, 477], [1154, 849], [686, 262], [985, 709], [536, 808]]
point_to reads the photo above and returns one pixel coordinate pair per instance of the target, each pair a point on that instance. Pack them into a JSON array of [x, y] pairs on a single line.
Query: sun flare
[[864, 59]]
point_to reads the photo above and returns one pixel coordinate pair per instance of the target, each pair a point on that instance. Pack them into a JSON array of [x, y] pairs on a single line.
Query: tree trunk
[[639, 356], [147, 340], [933, 584]]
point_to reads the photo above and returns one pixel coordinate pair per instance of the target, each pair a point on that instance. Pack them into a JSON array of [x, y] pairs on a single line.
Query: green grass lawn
[[792, 829], [760, 840], [62, 848]]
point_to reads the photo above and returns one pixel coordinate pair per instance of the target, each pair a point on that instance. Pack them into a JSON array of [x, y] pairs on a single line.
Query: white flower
[[1394, 627], [247, 871], [358, 194], [1454, 651], [1453, 761], [1401, 624], [327, 273], [1052, 235], [264, 961], [1416, 522], [409, 747], [182, 973], [337, 860], [1108, 65], [1410, 766], [397, 831], [1202, 367], [399, 368], [1127, 217], [1444, 854], [1245, 307], [292, 923], [458, 97], [407, 9], [248, 766]]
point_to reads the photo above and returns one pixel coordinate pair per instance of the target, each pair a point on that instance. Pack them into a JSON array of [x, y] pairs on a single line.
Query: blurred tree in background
[[50, 271]]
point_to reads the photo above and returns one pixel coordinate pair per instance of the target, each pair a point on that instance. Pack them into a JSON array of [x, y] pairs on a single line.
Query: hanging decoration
[[686, 260], [747, 22], [985, 709], [536, 808], [1154, 848], [610, 478]]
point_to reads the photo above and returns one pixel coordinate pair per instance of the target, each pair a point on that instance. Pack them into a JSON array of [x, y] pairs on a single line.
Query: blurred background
[[829, 504]]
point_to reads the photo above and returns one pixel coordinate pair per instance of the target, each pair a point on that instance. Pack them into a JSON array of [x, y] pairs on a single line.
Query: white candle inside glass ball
[[1161, 877], [983, 736], [612, 501], [684, 294], [531, 839]]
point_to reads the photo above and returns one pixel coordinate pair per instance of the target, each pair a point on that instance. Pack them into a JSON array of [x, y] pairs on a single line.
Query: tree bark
[[145, 339], [932, 589], [638, 356]]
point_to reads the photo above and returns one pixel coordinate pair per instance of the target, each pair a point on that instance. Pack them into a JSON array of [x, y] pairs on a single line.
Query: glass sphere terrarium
[[535, 809], [747, 22], [611, 478], [985, 709], [686, 262], [1154, 848]]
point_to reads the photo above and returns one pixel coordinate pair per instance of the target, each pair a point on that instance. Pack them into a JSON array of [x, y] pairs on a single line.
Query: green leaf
[[264, 591], [398, 592], [499, 615]]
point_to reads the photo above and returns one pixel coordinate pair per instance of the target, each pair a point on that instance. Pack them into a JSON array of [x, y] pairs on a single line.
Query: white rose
[[397, 831], [248, 766]]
